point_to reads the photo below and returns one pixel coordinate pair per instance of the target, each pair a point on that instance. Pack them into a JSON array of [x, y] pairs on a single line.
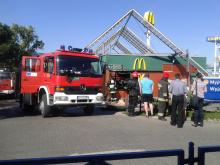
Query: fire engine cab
[[60, 79], [6, 82]]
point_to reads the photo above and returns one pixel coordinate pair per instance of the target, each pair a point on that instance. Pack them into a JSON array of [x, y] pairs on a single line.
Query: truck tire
[[89, 110], [43, 107], [23, 103]]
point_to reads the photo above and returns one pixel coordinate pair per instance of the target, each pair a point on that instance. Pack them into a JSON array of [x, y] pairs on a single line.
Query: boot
[[131, 113], [162, 118], [195, 124], [201, 124]]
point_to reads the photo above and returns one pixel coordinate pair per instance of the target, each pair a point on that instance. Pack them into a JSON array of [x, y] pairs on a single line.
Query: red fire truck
[[6, 83], [60, 79]]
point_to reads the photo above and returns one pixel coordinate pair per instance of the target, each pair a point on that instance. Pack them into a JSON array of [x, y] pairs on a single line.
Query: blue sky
[[72, 22]]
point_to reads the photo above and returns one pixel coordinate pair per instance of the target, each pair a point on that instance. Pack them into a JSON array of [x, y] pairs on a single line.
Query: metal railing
[[205, 149], [100, 159], [132, 38], [203, 71]]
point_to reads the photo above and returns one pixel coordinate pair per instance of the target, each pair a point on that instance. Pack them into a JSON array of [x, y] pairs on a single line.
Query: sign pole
[[215, 59], [216, 41], [149, 17]]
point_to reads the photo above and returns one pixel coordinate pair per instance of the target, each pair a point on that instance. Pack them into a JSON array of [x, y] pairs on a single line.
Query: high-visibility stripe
[[162, 99], [164, 94], [159, 86]]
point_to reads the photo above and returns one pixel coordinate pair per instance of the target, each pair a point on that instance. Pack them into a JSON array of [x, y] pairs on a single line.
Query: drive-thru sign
[[213, 89]]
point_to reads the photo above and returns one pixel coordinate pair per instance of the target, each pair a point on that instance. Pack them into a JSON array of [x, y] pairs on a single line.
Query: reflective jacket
[[163, 93], [112, 86], [133, 87]]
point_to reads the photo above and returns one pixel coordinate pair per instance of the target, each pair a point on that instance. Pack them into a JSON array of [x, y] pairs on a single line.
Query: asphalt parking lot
[[30, 135]]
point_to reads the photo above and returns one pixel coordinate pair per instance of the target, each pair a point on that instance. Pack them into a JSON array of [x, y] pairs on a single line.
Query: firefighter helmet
[[134, 74], [166, 74]]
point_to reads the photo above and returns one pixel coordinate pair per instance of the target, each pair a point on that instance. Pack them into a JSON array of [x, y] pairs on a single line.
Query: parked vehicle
[[6, 83], [60, 79]]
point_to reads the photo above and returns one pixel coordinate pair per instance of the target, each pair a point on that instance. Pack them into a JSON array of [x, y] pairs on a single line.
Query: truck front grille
[[78, 90]]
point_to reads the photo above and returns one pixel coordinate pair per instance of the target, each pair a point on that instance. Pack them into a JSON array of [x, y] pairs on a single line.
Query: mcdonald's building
[[119, 67]]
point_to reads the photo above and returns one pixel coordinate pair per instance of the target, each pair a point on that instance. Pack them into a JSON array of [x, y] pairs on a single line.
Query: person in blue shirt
[[147, 86]]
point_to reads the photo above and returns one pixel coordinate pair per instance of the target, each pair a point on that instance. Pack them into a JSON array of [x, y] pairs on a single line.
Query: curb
[[9, 107]]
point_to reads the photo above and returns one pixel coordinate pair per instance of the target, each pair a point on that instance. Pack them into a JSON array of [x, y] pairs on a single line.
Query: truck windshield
[[78, 66], [5, 75]]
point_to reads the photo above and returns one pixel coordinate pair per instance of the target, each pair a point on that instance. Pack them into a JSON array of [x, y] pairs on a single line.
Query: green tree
[[16, 41], [7, 45]]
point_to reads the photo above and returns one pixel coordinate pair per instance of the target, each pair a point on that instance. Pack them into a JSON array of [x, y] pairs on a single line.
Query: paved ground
[[25, 136]]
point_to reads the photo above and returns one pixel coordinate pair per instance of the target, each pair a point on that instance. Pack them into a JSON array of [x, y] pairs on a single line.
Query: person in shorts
[[147, 86]]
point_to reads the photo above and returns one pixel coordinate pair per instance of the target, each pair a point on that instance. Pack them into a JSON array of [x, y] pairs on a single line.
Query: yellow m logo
[[139, 62], [149, 16]]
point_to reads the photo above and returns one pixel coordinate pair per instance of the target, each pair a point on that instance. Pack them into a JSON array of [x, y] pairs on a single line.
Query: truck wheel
[[43, 107], [23, 103], [89, 110]]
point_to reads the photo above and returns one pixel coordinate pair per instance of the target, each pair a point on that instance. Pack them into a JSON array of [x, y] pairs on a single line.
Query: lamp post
[[215, 58], [216, 41]]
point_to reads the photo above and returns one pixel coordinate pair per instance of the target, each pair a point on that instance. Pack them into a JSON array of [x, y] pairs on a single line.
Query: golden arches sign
[[149, 16], [139, 62]]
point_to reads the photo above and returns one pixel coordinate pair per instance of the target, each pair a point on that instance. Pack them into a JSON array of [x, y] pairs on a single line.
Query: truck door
[[48, 73], [30, 74]]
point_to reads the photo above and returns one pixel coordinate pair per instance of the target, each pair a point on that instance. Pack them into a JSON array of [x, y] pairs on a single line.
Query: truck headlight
[[61, 98], [100, 97]]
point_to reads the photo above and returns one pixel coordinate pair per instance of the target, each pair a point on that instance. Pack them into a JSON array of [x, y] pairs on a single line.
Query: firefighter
[[112, 89], [163, 96], [134, 91]]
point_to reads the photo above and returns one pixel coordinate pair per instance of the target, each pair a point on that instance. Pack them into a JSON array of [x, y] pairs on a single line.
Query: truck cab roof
[[70, 53]]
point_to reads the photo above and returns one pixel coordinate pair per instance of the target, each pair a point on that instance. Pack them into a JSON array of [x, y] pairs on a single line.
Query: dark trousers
[[177, 113], [162, 107], [198, 115], [132, 104]]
